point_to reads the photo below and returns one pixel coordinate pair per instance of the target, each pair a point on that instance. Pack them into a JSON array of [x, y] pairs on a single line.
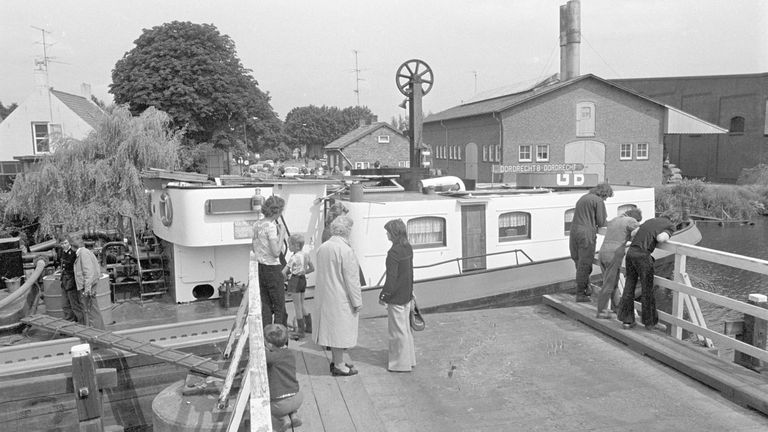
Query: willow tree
[[90, 183]]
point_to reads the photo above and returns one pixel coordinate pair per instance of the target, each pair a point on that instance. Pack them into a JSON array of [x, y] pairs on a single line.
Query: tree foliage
[[89, 183], [192, 72], [315, 126]]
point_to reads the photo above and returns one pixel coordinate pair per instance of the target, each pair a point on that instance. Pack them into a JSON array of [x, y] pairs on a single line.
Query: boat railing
[[458, 261], [685, 297]]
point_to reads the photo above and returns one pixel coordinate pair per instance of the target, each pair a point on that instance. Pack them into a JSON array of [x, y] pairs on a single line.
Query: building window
[[383, 139], [485, 153], [525, 153], [542, 153], [642, 151], [626, 151], [567, 222], [498, 153], [624, 208], [426, 232], [41, 138], [585, 119], [514, 226], [737, 126]]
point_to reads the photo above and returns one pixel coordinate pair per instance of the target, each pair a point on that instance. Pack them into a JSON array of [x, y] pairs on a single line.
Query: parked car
[[291, 171]]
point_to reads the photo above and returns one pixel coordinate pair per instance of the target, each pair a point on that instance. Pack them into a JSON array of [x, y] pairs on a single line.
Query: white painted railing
[[685, 296]]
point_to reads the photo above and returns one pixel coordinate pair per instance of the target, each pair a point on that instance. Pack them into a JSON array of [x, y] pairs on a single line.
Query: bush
[[757, 175], [705, 199]]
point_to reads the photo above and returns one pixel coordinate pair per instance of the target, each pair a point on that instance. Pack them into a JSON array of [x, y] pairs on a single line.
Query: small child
[[285, 395], [295, 272]]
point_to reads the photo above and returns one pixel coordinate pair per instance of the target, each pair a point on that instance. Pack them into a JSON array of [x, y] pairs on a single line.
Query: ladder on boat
[[125, 343]]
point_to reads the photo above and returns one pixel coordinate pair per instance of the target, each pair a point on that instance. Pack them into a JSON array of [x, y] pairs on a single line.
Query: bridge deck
[[522, 368]]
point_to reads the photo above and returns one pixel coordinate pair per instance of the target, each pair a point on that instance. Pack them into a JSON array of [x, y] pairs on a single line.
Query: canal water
[[748, 240]]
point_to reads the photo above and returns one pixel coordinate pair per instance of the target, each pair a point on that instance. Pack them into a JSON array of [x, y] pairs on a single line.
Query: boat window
[[426, 232], [514, 226], [567, 221], [623, 209], [485, 153]]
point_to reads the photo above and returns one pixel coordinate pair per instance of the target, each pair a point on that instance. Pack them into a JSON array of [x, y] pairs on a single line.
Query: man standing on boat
[[87, 275], [588, 216], [72, 307]]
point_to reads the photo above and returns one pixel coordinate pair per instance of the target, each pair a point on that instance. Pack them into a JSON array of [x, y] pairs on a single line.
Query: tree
[[89, 183], [314, 126], [192, 72], [4, 111]]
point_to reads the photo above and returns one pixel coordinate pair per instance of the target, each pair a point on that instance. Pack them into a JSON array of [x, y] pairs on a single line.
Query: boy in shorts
[[295, 272]]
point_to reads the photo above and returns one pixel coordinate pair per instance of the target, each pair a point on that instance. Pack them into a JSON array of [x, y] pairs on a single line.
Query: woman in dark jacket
[[397, 295]]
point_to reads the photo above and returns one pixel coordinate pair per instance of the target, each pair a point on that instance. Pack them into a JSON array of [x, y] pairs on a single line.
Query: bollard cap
[[81, 350], [758, 298]]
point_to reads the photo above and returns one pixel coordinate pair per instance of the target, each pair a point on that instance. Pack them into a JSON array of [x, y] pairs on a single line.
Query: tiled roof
[[355, 134], [502, 103], [81, 106]]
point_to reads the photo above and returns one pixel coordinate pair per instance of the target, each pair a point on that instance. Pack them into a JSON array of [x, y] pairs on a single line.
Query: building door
[[473, 237], [589, 153], [470, 161]]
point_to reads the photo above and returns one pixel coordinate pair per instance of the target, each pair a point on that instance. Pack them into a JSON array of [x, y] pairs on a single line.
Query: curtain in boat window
[[426, 232], [514, 226], [568, 221]]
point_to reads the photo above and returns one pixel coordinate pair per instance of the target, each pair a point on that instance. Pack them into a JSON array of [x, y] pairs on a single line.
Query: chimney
[[85, 91], [374, 119], [570, 40], [362, 122]]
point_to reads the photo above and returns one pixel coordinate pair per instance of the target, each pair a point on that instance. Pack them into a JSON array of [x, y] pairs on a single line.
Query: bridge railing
[[685, 297]]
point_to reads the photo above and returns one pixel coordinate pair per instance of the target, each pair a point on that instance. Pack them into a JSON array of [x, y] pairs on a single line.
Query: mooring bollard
[[755, 333]]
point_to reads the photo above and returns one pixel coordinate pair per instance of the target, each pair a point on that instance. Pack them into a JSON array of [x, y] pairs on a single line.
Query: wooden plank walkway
[[526, 368], [735, 382]]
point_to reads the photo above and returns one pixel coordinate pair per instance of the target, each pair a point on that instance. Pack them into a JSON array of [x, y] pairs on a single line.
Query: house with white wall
[[47, 116]]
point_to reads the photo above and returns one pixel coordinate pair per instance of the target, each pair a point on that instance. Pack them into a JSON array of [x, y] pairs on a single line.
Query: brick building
[[369, 143], [738, 103], [614, 132]]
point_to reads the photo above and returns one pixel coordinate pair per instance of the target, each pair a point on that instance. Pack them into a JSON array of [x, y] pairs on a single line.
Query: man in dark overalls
[[588, 216], [72, 307]]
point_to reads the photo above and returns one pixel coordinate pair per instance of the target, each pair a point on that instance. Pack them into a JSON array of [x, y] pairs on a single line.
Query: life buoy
[[165, 209]]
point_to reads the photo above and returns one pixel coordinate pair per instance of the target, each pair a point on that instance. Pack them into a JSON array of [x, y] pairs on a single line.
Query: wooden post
[[261, 419], [677, 302], [87, 395], [755, 333]]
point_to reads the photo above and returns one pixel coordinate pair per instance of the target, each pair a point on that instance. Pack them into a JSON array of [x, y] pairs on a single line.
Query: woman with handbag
[[397, 295]]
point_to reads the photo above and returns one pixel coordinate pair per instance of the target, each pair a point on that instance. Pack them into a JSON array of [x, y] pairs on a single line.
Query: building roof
[[355, 134], [81, 106], [502, 103]]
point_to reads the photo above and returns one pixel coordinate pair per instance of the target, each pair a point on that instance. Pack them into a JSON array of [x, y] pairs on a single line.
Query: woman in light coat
[[337, 296], [397, 294]]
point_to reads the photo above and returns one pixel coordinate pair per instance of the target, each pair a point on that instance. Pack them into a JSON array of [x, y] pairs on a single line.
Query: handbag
[[417, 321]]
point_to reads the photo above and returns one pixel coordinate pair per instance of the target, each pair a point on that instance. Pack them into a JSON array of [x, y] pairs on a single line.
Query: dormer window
[[585, 119], [43, 134], [383, 139]]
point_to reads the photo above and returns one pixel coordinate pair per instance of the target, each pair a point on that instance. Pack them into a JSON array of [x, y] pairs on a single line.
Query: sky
[[302, 52]]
